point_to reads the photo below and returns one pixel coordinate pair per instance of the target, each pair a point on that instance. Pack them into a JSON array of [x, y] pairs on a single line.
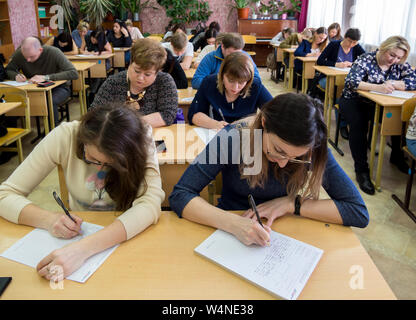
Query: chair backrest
[[407, 109], [13, 94], [249, 39], [62, 186]]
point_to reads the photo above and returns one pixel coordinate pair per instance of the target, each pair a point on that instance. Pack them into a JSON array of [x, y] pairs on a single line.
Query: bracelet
[[297, 205]]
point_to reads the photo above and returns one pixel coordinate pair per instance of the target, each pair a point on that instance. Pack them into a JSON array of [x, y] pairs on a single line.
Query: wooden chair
[[62, 187], [14, 94], [250, 40], [407, 111]]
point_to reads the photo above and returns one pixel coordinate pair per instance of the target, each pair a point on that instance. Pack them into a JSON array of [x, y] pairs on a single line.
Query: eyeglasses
[[279, 156], [97, 163]]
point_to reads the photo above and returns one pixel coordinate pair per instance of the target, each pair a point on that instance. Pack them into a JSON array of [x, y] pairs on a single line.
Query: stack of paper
[[206, 135], [397, 94], [15, 83]]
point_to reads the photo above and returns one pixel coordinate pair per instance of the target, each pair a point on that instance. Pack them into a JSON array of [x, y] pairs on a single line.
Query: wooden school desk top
[[160, 264]]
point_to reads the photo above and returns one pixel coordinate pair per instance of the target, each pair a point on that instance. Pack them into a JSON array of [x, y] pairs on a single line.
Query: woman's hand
[[63, 227], [344, 64], [220, 124], [250, 232], [272, 210], [124, 31], [62, 262], [385, 87]]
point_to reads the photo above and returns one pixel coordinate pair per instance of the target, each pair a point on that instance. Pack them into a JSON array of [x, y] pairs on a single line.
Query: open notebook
[[37, 244], [282, 269]]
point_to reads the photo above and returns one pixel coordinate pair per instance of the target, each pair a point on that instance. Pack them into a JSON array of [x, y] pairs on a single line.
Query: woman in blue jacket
[[281, 158], [229, 96], [312, 47]]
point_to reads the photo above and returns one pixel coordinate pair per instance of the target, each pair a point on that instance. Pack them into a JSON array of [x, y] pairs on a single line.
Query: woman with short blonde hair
[[395, 42], [83, 29], [229, 96]]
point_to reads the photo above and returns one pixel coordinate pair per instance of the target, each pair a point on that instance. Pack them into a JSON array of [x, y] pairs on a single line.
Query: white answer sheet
[[37, 244], [283, 268]]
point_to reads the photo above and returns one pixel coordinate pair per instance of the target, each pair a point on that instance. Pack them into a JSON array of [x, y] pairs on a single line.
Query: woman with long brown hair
[[109, 162], [290, 164]]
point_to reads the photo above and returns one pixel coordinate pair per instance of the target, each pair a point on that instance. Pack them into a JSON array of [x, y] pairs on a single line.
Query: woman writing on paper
[[382, 70], [229, 96], [109, 162], [281, 158]]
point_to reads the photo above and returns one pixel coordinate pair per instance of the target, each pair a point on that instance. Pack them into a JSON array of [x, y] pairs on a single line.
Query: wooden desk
[[99, 69], [160, 263], [391, 125], [333, 78], [119, 60], [41, 103], [185, 94], [183, 145], [8, 106], [308, 72], [82, 68], [291, 52]]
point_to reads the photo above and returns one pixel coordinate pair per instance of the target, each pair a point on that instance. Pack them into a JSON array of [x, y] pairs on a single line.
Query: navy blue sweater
[[236, 190], [329, 56], [208, 94]]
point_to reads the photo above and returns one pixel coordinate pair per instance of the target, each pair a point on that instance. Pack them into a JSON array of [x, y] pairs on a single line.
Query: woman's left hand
[[272, 209], [62, 262], [124, 31]]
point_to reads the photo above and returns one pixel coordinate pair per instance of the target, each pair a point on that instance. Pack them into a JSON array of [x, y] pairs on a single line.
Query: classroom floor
[[390, 237]]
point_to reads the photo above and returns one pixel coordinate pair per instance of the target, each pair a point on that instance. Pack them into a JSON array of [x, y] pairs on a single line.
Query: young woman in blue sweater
[[281, 158], [229, 96], [311, 47]]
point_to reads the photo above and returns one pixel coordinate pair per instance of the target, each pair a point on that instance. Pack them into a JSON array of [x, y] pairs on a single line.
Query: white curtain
[[380, 19], [322, 13]]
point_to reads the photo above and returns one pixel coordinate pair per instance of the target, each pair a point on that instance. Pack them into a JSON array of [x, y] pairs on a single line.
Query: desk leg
[[374, 139], [80, 94], [380, 162], [327, 105], [46, 124], [51, 113], [285, 81], [290, 85]]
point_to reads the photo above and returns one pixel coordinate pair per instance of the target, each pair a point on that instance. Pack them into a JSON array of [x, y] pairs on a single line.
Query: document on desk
[[37, 244], [282, 269], [397, 94], [341, 69], [15, 83], [187, 99], [84, 55], [205, 134]]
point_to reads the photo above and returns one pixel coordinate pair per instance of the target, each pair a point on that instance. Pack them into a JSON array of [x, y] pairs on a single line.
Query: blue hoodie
[[210, 64]]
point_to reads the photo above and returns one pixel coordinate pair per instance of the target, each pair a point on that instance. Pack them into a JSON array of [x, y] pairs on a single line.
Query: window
[[321, 13]]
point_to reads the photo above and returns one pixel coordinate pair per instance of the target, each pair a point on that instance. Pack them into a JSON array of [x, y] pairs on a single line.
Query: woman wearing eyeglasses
[[110, 163], [143, 86], [281, 158]]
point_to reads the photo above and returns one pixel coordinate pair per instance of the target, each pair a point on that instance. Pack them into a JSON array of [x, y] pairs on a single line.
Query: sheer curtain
[[380, 19], [321, 13]]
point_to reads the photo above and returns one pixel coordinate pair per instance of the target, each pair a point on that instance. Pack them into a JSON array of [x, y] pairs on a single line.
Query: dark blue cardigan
[[329, 56], [208, 95]]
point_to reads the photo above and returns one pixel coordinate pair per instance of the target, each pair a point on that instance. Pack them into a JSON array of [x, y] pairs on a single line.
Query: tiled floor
[[390, 237]]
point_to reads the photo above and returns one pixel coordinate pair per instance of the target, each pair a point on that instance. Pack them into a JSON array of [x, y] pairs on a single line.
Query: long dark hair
[[99, 35], [64, 37], [120, 134], [298, 120]]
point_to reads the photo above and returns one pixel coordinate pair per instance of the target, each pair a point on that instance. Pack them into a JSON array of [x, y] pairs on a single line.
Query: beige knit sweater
[[86, 192]]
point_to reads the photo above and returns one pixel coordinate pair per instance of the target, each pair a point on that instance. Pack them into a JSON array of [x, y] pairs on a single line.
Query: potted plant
[[135, 7], [242, 7], [186, 11], [295, 8], [275, 8], [264, 10], [96, 10]]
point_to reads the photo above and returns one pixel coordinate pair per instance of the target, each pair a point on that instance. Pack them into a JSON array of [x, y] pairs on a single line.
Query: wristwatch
[[297, 205]]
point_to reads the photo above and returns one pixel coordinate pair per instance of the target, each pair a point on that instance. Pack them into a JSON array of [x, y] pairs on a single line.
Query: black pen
[[59, 201], [253, 206]]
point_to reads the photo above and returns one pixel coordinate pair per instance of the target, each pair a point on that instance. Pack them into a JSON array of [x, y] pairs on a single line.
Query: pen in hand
[[59, 201], [253, 206], [221, 114]]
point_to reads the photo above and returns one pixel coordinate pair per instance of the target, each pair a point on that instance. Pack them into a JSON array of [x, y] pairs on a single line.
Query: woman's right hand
[[386, 87], [220, 124], [62, 226], [250, 232]]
